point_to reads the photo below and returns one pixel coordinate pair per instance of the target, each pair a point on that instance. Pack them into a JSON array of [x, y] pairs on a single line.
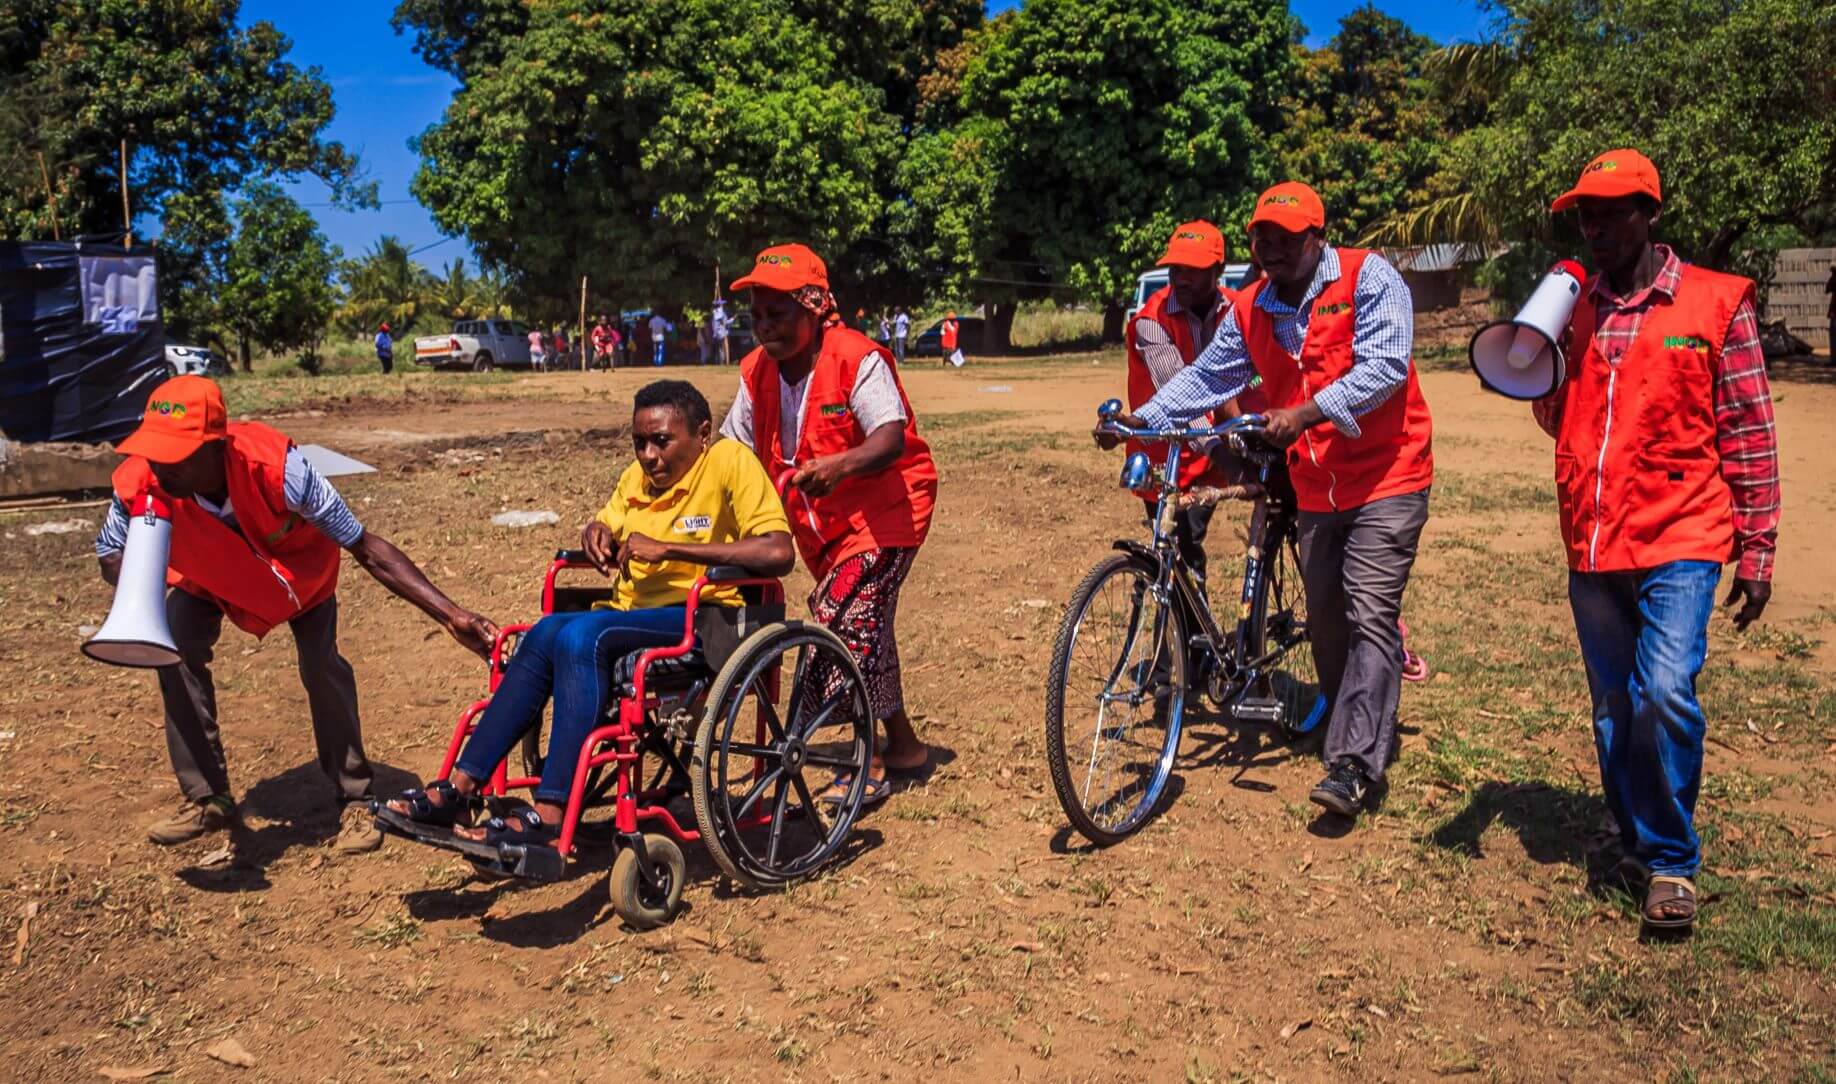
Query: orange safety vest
[[1194, 467], [1638, 470], [1332, 471], [863, 513], [276, 567], [946, 336]]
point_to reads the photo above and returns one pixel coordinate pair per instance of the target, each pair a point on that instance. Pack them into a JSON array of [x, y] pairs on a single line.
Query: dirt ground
[[971, 937]]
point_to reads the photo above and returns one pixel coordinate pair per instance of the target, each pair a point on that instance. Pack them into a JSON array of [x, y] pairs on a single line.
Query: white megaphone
[[136, 633], [1522, 357]]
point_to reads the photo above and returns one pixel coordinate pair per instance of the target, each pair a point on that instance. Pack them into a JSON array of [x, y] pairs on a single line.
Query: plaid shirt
[[1744, 430]]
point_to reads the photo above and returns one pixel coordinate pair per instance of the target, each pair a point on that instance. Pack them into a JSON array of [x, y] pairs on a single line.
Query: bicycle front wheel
[[1115, 700]]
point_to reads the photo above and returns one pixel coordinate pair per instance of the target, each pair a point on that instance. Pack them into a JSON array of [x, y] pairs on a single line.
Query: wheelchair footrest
[[534, 863], [1257, 709]]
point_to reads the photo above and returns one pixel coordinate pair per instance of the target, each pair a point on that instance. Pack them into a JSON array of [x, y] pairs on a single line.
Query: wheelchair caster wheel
[[645, 906]]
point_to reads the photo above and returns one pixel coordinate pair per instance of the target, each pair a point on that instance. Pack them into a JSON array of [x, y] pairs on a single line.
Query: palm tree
[[1471, 76], [384, 285]]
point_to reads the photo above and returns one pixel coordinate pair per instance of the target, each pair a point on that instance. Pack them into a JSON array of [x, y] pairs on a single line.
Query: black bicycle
[[1138, 637]]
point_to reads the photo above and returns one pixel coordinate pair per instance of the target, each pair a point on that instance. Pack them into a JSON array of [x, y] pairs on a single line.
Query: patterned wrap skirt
[[857, 601]]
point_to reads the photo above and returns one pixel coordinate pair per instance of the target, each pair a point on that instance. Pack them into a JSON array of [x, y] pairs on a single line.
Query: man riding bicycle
[[1329, 331]]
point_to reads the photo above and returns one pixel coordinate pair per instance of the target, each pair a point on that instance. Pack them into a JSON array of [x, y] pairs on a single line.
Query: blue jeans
[[656, 351], [1644, 636], [570, 656]]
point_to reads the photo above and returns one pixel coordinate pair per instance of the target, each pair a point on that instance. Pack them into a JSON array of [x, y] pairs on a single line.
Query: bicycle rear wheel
[[1293, 678], [1115, 700]]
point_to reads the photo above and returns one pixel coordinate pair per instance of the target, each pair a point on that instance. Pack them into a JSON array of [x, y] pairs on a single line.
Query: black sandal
[[523, 825], [452, 809]]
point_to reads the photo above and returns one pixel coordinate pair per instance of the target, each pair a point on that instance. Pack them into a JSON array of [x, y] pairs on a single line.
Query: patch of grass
[[1459, 493], [291, 389], [392, 932]]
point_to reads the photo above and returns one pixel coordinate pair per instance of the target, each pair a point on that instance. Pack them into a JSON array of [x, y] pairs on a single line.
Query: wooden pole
[[127, 218], [50, 195], [586, 356]]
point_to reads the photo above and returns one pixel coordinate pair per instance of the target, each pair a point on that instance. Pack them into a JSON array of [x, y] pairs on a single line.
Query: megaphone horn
[[136, 633], [1522, 357]]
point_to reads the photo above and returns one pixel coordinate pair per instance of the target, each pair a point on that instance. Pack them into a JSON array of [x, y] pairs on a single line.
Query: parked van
[[1153, 281]]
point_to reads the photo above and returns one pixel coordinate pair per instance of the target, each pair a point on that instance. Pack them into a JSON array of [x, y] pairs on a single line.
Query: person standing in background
[[561, 359], [902, 327], [605, 342], [385, 345], [718, 327], [946, 339], [885, 330], [659, 337], [538, 354]]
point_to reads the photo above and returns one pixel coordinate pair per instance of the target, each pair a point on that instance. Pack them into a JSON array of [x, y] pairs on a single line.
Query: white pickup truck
[[478, 345]]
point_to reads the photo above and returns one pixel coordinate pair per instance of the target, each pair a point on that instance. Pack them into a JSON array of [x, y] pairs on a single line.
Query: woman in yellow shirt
[[689, 501]]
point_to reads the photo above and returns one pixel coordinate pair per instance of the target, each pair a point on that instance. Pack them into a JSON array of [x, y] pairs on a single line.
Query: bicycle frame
[[1173, 580]]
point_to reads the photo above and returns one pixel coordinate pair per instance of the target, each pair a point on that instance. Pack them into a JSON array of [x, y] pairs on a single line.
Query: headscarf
[[819, 301]]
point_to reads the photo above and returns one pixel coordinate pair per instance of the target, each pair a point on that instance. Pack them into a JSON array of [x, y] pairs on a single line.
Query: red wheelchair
[[728, 720]]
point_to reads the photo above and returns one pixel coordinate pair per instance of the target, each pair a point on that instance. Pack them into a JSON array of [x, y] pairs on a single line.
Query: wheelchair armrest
[[730, 573]]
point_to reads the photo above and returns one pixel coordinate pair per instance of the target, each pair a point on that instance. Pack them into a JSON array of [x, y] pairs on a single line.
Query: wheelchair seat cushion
[[661, 673]]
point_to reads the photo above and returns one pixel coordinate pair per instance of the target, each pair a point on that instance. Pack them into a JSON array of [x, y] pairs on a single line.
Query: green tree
[[384, 285], [204, 105], [1087, 130], [644, 143], [1747, 149], [277, 277], [1366, 127]]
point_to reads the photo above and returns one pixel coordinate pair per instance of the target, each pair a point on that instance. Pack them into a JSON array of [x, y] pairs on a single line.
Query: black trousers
[[190, 695]]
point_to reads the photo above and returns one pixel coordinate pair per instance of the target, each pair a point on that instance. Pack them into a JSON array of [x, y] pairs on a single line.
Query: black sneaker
[[1343, 791]]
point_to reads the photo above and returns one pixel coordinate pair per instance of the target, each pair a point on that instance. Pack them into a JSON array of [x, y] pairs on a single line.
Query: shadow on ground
[[297, 809]]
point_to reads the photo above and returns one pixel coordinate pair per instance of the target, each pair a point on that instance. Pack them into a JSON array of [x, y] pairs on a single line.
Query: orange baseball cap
[[1623, 172], [1291, 205], [786, 267], [1194, 244], [183, 414]]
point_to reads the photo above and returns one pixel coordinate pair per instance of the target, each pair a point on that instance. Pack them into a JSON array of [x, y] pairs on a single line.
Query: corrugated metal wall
[[1797, 295]]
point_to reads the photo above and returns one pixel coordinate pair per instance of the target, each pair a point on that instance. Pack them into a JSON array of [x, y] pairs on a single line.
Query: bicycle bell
[[1137, 471], [1109, 409]]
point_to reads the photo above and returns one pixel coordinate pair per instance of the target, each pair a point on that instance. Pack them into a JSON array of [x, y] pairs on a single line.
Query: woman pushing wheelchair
[[691, 500], [825, 401]]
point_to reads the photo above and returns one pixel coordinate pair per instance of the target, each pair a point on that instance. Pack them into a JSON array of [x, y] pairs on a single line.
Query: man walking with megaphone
[[1329, 332], [1666, 468], [256, 537]]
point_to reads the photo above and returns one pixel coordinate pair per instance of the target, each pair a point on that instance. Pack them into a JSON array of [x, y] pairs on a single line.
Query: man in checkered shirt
[[1329, 334], [1667, 468]]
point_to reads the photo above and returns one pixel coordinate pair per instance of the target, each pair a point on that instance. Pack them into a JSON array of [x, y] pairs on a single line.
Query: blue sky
[[385, 95]]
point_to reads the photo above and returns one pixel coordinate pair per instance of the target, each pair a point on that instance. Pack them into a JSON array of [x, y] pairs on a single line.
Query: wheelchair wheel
[[789, 703], [647, 906]]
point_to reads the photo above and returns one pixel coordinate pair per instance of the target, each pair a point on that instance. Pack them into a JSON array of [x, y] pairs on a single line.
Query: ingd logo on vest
[[1692, 343]]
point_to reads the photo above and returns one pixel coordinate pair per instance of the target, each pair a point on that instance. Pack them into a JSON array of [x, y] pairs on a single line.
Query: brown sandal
[[1670, 903]]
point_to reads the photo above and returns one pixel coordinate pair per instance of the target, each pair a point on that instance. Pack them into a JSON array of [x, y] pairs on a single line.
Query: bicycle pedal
[[1257, 709]]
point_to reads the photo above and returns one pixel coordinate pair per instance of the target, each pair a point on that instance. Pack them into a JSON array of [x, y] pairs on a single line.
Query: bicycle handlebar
[[1243, 423]]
